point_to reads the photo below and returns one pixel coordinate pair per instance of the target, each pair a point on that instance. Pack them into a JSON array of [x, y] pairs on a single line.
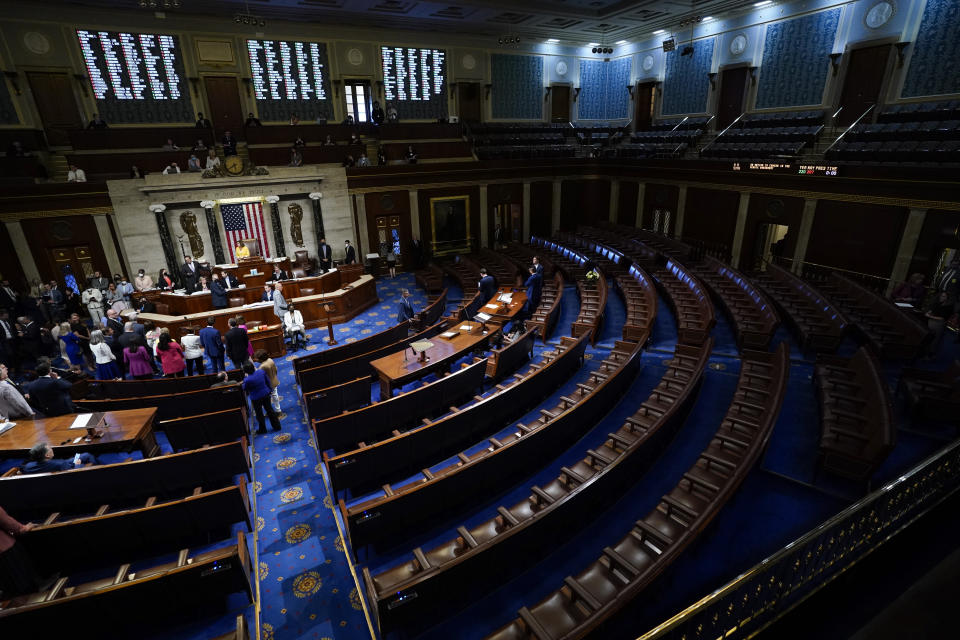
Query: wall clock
[[879, 14], [647, 63], [468, 62], [738, 45], [234, 165], [355, 57], [561, 68]]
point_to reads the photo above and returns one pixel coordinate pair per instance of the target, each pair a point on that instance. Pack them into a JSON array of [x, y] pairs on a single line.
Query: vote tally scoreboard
[[290, 77], [136, 77], [414, 80], [786, 167]]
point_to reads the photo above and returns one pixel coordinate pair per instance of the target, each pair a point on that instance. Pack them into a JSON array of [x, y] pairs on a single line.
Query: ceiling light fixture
[[707, 18], [621, 42], [659, 31], [763, 3], [552, 41]]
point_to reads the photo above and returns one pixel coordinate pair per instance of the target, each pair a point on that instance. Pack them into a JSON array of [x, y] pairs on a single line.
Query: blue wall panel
[[935, 64], [603, 89], [796, 60], [517, 92], [685, 84]]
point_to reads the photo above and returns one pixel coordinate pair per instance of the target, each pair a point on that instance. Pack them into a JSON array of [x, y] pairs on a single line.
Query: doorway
[[72, 266], [510, 219], [771, 241], [468, 98], [560, 103], [733, 92], [223, 97], [646, 105], [57, 105], [357, 96], [388, 233], [661, 221], [862, 81]]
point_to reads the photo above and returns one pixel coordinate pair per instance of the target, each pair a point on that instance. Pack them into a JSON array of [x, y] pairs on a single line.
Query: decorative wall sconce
[[82, 79], [630, 90], [753, 74], [12, 77], [835, 61], [336, 88], [576, 93], [901, 52], [487, 94], [713, 80], [546, 93]]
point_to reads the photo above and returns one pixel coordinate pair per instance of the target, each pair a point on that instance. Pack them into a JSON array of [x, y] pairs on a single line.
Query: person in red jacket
[[17, 575]]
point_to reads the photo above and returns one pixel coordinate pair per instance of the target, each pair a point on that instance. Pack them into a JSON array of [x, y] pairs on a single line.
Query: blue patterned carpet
[[307, 586]]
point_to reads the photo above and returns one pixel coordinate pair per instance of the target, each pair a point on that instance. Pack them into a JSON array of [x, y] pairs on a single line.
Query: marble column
[[803, 236], [526, 211], [214, 229], [315, 198], [22, 248], [555, 205], [641, 194], [484, 216], [908, 245], [277, 227], [739, 229], [166, 241], [415, 229], [681, 208], [614, 200]]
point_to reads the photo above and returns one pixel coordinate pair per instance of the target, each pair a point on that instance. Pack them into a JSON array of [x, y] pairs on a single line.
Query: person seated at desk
[[42, 460], [222, 380], [171, 169], [488, 288], [145, 306], [49, 393], [278, 273], [193, 163], [293, 325], [241, 251], [230, 281], [201, 285], [170, 145], [165, 281], [911, 291], [212, 160], [13, 403], [229, 144], [405, 312], [200, 147], [252, 121], [142, 281], [267, 294]]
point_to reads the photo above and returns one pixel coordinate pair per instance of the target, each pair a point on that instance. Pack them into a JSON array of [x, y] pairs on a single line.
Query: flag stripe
[[245, 221]]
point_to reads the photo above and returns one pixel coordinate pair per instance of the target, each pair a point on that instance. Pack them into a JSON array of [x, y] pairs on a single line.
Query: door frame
[[569, 86], [203, 100], [749, 93], [457, 104], [835, 82], [81, 102]]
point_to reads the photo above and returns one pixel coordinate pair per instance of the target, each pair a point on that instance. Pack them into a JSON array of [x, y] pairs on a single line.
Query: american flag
[[244, 221]]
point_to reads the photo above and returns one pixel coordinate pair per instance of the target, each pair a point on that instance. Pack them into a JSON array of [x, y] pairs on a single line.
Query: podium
[[246, 266]]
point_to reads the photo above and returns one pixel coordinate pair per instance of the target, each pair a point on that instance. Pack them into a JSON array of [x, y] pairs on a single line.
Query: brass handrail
[[826, 266], [776, 584]]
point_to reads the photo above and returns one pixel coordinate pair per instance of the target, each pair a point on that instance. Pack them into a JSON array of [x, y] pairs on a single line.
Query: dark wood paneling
[[646, 106], [733, 90], [53, 95], [387, 202], [44, 234], [226, 111], [939, 232], [10, 266], [423, 201], [627, 204], [765, 209], [710, 215], [659, 196], [854, 236], [583, 200], [396, 152], [541, 208], [468, 99], [498, 194], [863, 80], [559, 103]]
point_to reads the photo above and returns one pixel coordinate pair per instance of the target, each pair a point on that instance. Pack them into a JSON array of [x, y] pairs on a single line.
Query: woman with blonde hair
[[107, 368]]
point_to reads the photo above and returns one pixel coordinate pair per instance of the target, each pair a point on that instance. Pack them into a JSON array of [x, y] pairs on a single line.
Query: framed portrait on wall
[[450, 222]]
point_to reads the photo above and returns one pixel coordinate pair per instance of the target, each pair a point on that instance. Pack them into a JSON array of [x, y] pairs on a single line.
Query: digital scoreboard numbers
[[786, 167], [289, 77], [136, 77], [414, 80]]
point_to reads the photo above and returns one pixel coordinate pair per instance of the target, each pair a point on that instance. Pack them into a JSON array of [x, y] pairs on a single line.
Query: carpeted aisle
[[307, 588]]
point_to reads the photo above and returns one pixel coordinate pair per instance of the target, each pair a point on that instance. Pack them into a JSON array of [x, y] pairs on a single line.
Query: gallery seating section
[[370, 465], [891, 332], [933, 395], [817, 324], [402, 510], [508, 140], [857, 428], [611, 583], [754, 318]]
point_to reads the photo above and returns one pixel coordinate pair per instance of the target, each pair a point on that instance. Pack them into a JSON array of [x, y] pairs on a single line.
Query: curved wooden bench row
[[407, 452], [934, 395], [406, 508], [332, 401], [593, 296], [431, 313], [544, 317], [27, 497], [206, 429], [448, 575], [376, 420], [150, 529], [818, 325], [582, 604], [857, 428], [505, 360], [430, 278], [891, 331], [358, 365], [174, 405], [505, 270], [106, 389], [348, 350], [522, 256], [188, 584], [754, 318]]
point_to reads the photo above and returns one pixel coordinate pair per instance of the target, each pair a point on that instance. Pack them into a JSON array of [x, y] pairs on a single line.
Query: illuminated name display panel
[[136, 77], [414, 80], [787, 167], [289, 77]]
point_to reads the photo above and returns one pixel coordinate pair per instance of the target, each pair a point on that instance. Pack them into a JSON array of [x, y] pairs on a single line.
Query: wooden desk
[[181, 304], [127, 430], [397, 369], [500, 312], [268, 338]]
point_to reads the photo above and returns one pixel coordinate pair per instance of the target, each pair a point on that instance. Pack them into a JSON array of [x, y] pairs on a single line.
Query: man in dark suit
[[488, 288], [42, 460], [534, 285], [9, 341], [50, 393], [28, 332], [212, 343], [9, 298], [278, 273], [538, 266], [498, 237], [203, 122], [99, 282], [237, 342], [145, 306], [218, 293], [326, 256], [267, 295], [229, 280], [188, 273], [229, 144], [349, 253], [405, 312]]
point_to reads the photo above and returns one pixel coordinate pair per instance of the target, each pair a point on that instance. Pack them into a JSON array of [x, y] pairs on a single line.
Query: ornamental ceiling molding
[[13, 216]]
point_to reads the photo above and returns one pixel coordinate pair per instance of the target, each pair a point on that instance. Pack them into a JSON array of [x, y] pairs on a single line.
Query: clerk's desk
[[347, 292], [121, 431]]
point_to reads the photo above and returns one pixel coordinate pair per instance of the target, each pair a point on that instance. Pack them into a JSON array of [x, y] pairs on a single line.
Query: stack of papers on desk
[[448, 334], [505, 297], [81, 421], [6, 426], [482, 317], [490, 306]]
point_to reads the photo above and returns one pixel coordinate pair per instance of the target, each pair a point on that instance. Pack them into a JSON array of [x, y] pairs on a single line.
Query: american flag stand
[[242, 221]]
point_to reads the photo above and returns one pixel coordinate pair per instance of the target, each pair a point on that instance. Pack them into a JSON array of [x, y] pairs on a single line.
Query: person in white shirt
[[212, 160], [171, 168], [192, 352], [107, 368], [76, 175], [293, 325], [142, 281], [12, 402], [92, 298]]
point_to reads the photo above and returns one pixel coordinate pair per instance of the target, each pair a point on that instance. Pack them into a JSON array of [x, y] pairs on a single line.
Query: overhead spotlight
[[552, 41], [500, 40], [609, 50], [594, 50], [621, 42]]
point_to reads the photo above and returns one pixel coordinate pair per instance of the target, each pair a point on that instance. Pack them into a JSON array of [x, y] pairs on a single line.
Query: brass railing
[[749, 602], [818, 272]]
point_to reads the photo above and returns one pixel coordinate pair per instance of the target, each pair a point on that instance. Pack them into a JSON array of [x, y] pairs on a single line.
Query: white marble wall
[[137, 225]]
